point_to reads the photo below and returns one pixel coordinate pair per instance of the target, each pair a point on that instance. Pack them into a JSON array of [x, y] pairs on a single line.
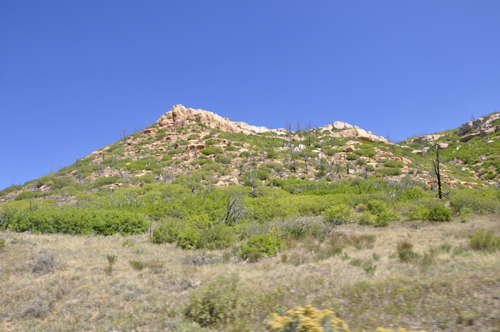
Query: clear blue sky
[[73, 74]]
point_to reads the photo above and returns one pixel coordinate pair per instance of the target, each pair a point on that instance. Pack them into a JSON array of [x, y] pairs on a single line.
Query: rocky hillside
[[200, 147], [474, 146]]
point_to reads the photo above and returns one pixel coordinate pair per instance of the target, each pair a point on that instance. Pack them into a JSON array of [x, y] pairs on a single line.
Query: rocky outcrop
[[423, 138], [150, 131], [180, 115], [360, 134], [337, 125], [483, 124], [468, 137]]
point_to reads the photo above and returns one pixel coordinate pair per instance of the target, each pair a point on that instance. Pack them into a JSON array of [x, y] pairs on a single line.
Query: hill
[[202, 223], [202, 147]]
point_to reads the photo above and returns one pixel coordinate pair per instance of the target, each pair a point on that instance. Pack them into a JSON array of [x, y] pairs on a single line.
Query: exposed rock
[[179, 115], [442, 146], [486, 132], [349, 149], [360, 134], [150, 131], [420, 152], [484, 122], [468, 137], [424, 138]]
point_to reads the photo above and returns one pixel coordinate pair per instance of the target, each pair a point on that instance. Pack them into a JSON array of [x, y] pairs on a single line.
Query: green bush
[[376, 206], [352, 156], [175, 151], [390, 171], [484, 240], [187, 238], [338, 214], [223, 159], [258, 246], [418, 212], [216, 237], [394, 164], [383, 219], [439, 213], [29, 195], [272, 154], [479, 202], [366, 151], [104, 181], [10, 189], [73, 220], [367, 218], [211, 150], [166, 232], [216, 304]]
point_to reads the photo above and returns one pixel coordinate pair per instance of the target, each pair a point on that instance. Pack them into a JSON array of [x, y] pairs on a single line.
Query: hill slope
[[202, 147]]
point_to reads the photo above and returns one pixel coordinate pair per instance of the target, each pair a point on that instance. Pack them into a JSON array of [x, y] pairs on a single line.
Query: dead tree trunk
[[437, 170]]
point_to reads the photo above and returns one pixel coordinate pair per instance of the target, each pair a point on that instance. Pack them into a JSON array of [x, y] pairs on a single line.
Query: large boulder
[[468, 137]]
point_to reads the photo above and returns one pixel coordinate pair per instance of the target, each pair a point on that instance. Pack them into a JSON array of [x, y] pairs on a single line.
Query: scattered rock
[[442, 146]]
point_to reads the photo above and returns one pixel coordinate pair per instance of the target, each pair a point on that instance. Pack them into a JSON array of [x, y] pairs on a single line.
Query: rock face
[[179, 115], [423, 139], [337, 125], [361, 134], [483, 123]]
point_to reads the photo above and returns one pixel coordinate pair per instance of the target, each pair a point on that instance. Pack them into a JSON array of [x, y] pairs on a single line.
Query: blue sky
[[74, 74]]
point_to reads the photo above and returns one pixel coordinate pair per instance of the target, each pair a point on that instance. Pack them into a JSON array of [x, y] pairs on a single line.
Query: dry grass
[[58, 282]]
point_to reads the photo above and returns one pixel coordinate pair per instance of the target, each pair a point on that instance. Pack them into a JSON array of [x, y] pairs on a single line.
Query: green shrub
[[383, 219], [73, 220], [352, 156], [166, 232], [211, 150], [418, 212], [63, 182], [258, 246], [216, 237], [104, 181], [10, 189], [187, 238], [366, 151], [476, 201], [376, 206], [216, 304], [439, 213], [367, 218], [2, 244], [338, 214], [29, 195], [390, 171], [223, 159], [210, 142], [405, 252], [175, 151], [272, 154], [394, 164], [484, 240]]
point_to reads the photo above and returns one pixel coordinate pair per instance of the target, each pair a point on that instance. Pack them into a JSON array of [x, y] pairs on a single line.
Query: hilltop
[[201, 146]]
